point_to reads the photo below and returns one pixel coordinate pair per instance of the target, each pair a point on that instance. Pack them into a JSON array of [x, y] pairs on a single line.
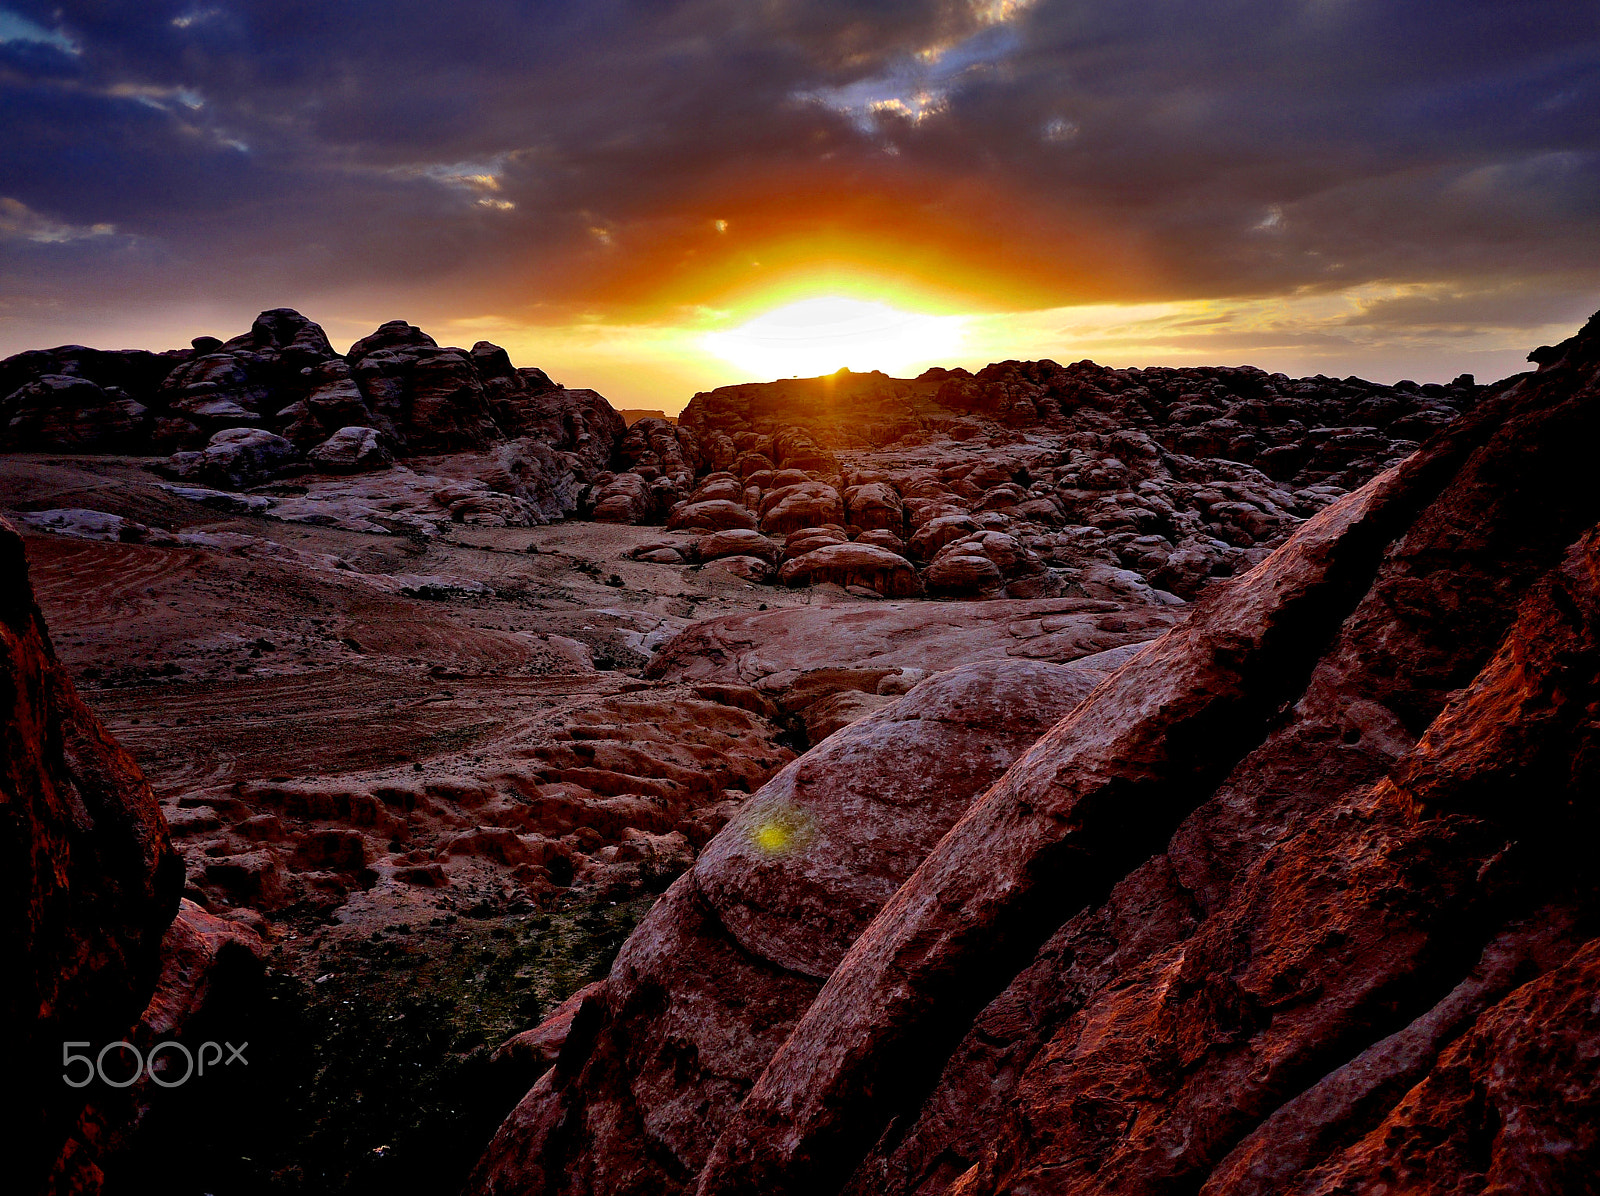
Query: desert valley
[[803, 598]]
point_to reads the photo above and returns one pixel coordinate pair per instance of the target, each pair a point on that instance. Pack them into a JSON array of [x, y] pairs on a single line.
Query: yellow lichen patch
[[780, 828]]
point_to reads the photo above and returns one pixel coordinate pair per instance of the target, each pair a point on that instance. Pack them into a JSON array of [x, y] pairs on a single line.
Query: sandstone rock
[[837, 711], [235, 458], [624, 499], [429, 399], [92, 881], [806, 504], [737, 542], [714, 515], [661, 447], [1290, 902], [833, 837], [1248, 912], [875, 506], [776, 647], [71, 414], [880, 538], [990, 563], [718, 485], [533, 1052], [753, 569], [809, 539], [938, 531], [93, 525], [351, 450], [853, 564]]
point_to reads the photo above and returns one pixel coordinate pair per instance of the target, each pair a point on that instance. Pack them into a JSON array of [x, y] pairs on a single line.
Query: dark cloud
[[548, 157]]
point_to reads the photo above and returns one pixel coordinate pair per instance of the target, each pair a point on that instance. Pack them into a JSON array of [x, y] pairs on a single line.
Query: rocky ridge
[[1025, 480], [277, 402], [1293, 901]]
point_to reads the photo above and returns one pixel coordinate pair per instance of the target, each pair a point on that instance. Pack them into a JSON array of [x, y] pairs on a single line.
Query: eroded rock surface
[[277, 403], [1299, 900], [731, 956], [91, 884]]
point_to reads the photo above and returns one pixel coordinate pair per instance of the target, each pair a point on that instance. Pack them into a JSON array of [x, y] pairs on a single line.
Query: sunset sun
[[821, 335]]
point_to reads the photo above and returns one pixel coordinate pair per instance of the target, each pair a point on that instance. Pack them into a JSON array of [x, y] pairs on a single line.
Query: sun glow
[[822, 335]]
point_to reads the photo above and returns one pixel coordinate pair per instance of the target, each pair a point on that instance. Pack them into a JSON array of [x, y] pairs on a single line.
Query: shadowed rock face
[[727, 961], [1300, 900], [282, 393], [90, 880]]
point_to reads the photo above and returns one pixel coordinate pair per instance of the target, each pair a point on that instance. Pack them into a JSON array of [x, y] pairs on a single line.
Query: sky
[[652, 198]]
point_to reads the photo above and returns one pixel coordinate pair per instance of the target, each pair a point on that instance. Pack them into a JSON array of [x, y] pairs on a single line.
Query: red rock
[[713, 515], [875, 505], [351, 450], [92, 881], [853, 564], [749, 568], [780, 644], [805, 504], [737, 542], [880, 538], [716, 974], [938, 531], [624, 499], [809, 539], [533, 1052], [1272, 950]]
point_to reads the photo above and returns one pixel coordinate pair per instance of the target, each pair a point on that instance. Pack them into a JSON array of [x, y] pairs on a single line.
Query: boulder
[[626, 498], [737, 542], [874, 506], [429, 399], [351, 450], [938, 531], [990, 563], [716, 515], [235, 459], [753, 569], [62, 413], [853, 564], [881, 538], [805, 504], [731, 955], [718, 485], [809, 539]]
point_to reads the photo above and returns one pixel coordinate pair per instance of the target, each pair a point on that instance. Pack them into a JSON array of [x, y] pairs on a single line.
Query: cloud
[[627, 158], [19, 222]]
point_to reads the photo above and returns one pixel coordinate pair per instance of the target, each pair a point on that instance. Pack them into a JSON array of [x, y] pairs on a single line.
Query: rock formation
[[277, 402], [91, 884], [1025, 480], [1298, 900]]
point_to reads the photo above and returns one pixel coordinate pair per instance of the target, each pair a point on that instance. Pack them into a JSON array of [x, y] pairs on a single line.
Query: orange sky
[[654, 200]]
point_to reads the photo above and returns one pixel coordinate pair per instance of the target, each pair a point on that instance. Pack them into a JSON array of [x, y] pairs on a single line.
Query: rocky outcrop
[[731, 956], [1299, 900], [91, 884], [875, 569], [397, 393], [1148, 484]]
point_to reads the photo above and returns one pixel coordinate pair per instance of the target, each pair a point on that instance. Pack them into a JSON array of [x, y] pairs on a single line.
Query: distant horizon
[[652, 200], [633, 392]]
